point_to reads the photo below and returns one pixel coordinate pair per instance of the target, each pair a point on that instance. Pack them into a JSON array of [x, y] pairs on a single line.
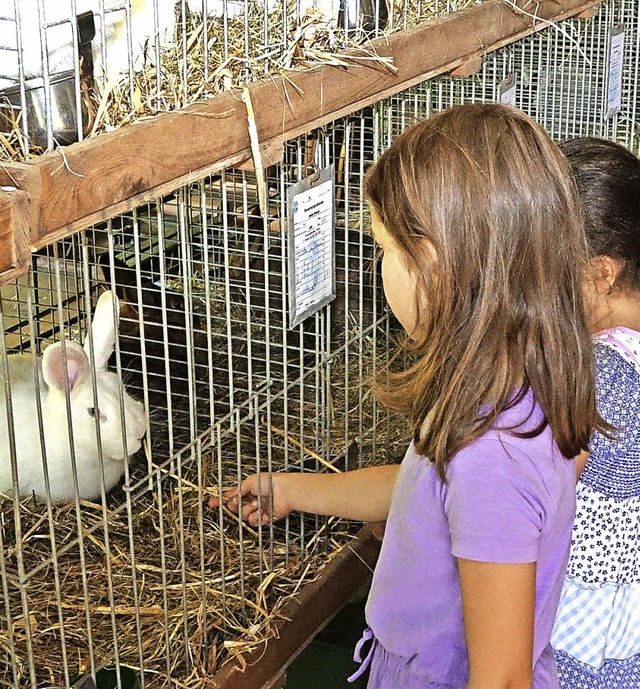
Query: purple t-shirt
[[508, 500]]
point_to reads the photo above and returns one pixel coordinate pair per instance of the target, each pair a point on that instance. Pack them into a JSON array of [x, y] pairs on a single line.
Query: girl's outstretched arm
[[498, 602], [363, 494]]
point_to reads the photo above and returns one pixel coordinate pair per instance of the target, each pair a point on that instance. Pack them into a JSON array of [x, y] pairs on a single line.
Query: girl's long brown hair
[[499, 295]]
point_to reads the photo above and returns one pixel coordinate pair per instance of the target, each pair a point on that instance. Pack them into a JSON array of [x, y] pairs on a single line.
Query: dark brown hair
[[495, 199], [608, 178]]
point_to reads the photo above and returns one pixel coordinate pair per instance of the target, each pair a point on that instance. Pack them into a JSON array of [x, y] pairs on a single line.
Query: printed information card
[[616, 58], [507, 90], [312, 275]]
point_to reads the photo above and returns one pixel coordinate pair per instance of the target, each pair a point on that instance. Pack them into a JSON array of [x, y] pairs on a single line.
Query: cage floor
[[157, 580]]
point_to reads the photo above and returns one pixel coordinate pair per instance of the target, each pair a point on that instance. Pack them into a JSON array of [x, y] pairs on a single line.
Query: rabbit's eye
[[93, 411]]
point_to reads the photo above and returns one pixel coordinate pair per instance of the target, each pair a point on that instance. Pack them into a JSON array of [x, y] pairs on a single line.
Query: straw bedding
[[173, 587], [208, 587], [247, 57]]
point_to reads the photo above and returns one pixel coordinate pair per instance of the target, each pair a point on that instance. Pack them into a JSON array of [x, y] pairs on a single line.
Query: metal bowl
[[63, 114]]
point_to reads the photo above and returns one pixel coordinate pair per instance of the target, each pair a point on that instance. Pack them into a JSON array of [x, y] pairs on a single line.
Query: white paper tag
[[507, 90], [616, 57], [312, 280]]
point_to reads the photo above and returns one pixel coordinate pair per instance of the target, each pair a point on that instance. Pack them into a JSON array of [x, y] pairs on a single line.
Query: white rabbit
[[113, 35], [115, 452], [326, 10]]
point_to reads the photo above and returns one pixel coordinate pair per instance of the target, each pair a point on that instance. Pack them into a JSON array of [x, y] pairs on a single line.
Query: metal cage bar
[[145, 574]]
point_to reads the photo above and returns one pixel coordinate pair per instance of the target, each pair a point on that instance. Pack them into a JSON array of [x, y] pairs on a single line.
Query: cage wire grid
[[561, 78], [148, 575], [98, 64]]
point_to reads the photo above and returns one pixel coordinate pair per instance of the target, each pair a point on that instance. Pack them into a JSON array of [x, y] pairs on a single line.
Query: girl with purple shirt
[[477, 217]]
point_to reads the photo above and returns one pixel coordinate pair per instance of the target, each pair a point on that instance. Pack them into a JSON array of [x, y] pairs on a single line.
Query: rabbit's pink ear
[[53, 365]]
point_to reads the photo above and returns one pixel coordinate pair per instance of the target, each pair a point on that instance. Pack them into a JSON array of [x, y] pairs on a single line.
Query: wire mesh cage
[[560, 77], [76, 67], [133, 568]]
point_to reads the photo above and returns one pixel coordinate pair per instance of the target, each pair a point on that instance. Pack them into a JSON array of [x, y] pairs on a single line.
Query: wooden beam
[[115, 171], [15, 226], [590, 12], [472, 66], [304, 616]]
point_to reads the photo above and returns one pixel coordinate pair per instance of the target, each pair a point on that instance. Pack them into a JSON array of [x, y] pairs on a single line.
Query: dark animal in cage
[[205, 324], [163, 345], [61, 368]]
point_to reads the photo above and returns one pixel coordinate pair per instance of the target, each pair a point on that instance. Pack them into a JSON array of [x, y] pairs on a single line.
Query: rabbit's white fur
[[59, 37], [51, 370]]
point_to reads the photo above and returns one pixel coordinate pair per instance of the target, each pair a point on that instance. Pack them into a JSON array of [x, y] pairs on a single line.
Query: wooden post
[[15, 229]]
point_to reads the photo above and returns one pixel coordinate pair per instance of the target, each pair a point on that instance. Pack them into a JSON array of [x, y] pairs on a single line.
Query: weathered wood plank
[[15, 225], [472, 66], [316, 604], [115, 171]]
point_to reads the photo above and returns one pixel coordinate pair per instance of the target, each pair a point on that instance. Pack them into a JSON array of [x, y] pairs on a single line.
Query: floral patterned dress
[[596, 637]]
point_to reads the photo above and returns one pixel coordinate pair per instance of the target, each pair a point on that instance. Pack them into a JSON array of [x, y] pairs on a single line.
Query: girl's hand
[[261, 500]]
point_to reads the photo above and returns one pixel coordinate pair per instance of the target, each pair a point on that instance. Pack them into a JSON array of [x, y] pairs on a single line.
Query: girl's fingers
[[244, 498], [227, 496], [249, 508], [255, 518]]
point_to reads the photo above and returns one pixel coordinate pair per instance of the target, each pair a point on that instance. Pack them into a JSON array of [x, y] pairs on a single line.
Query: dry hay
[[256, 48], [12, 140], [208, 587], [179, 607]]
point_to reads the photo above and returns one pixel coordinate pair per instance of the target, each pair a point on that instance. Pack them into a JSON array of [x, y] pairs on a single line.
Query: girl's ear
[[429, 249], [602, 273]]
